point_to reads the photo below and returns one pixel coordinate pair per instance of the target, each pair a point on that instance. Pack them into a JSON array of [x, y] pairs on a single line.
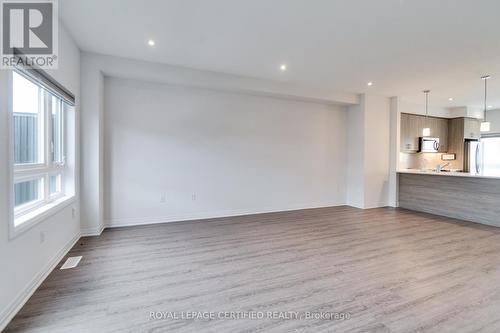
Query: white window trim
[[29, 220], [57, 195], [57, 202]]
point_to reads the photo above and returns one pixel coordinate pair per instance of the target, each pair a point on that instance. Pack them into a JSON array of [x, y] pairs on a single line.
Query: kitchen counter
[[447, 173], [458, 195]]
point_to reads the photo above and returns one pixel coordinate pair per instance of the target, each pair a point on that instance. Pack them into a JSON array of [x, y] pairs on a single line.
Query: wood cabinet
[[442, 134], [452, 134], [457, 142], [412, 127], [409, 133], [461, 129]]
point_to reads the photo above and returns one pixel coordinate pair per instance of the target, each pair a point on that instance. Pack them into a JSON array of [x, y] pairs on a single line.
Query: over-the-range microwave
[[428, 145]]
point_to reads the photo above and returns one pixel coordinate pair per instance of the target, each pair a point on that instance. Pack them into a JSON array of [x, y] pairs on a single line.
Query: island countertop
[[447, 173], [465, 197]]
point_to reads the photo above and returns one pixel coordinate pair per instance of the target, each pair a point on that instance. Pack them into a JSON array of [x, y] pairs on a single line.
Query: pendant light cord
[[485, 78], [426, 92], [427, 104], [485, 96]]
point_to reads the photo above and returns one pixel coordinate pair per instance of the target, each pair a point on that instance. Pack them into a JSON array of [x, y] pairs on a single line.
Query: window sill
[[29, 220]]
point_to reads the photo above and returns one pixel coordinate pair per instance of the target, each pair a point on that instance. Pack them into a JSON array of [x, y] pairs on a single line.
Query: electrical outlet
[[163, 197], [42, 237]]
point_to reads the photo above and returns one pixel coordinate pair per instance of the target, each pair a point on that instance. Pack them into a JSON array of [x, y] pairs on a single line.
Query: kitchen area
[[450, 166]]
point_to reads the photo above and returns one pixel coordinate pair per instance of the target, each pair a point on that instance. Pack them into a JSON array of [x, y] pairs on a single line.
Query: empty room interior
[[250, 166]]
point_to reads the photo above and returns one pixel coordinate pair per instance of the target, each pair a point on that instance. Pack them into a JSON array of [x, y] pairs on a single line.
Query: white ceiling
[[403, 46]]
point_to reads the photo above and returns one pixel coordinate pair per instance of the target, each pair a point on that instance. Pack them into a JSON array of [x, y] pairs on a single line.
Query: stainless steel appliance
[[429, 145], [473, 156]]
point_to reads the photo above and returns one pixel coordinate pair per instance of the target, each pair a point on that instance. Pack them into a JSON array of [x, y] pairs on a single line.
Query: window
[[28, 191], [28, 122], [42, 176], [491, 155]]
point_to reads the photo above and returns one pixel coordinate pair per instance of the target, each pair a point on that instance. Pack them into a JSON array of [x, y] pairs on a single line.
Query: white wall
[[25, 260], [236, 153], [369, 152], [356, 155], [162, 73], [395, 142], [92, 102], [466, 111], [493, 116], [95, 66], [436, 111], [377, 150]]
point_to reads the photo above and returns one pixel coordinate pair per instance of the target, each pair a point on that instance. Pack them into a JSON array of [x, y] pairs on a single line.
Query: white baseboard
[[16, 305], [356, 205], [376, 205], [369, 205], [87, 232], [394, 204], [127, 222]]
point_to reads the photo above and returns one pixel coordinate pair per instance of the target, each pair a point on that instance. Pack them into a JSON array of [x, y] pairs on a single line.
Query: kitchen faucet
[[440, 167]]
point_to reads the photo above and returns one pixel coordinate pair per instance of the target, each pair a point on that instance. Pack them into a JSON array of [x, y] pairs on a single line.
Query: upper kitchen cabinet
[[411, 130], [442, 134], [461, 129], [472, 128], [465, 128]]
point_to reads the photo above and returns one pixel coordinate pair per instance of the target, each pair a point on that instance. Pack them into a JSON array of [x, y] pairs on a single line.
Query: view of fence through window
[[38, 137], [27, 191], [27, 121], [26, 138]]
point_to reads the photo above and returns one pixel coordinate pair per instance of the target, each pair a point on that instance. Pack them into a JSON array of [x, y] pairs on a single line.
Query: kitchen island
[[459, 195]]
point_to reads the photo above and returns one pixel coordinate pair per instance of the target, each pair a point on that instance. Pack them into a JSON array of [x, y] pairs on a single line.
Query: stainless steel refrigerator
[[473, 156]]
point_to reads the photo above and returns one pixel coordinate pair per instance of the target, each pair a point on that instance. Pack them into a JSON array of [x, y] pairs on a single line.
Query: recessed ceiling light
[[450, 99], [151, 42], [283, 67], [490, 106], [369, 84]]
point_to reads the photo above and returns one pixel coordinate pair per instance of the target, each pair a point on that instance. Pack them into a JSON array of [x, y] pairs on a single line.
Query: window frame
[[25, 216], [62, 135], [31, 205], [60, 193]]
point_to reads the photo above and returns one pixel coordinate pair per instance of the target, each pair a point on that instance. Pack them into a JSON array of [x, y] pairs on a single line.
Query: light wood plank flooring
[[393, 270]]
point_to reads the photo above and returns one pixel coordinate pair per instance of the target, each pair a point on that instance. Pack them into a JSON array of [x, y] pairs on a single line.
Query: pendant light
[[426, 131], [485, 125]]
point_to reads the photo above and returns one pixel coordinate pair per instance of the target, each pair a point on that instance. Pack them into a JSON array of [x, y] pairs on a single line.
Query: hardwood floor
[[392, 270]]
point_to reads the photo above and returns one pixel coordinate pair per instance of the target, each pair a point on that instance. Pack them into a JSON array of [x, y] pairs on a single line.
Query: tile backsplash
[[420, 160]]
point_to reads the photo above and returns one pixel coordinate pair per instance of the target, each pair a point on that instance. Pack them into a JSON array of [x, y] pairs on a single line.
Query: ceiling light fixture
[[369, 84], [151, 42], [450, 99], [426, 131], [283, 67], [485, 125]]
